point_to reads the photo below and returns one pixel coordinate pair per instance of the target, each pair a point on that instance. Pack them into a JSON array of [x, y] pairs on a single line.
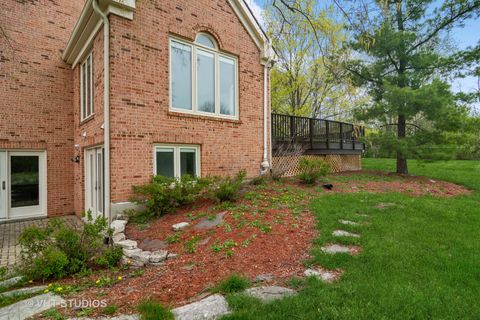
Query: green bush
[[312, 169], [234, 283], [163, 195], [58, 249], [228, 188]]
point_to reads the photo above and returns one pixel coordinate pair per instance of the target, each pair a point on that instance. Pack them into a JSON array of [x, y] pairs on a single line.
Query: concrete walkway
[[10, 232]]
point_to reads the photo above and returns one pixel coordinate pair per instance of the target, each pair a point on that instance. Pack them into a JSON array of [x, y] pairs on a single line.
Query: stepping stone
[[10, 282], [153, 245], [384, 205], [158, 256], [118, 226], [323, 274], [206, 223], [348, 222], [212, 307], [343, 233], [269, 293], [336, 248], [32, 306], [23, 291], [128, 244], [180, 226]]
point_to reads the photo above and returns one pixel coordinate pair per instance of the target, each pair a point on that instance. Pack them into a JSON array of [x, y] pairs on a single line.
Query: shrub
[[228, 188], [152, 310], [234, 283], [163, 194], [311, 169], [58, 249]]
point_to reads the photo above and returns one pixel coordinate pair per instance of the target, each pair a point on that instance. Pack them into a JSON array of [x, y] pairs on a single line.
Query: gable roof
[[90, 22]]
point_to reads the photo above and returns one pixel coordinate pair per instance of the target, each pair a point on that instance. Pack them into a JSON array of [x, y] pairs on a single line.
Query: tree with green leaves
[[309, 78], [403, 61]]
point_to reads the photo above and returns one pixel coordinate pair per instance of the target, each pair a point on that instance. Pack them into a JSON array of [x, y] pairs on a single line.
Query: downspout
[[106, 106], [265, 164]]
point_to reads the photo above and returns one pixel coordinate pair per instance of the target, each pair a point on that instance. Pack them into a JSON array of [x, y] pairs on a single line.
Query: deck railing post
[[341, 136], [310, 128], [292, 128], [327, 132], [353, 137]]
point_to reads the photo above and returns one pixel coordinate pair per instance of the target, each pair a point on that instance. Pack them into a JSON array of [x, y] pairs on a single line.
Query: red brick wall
[[36, 89], [140, 93], [88, 133]]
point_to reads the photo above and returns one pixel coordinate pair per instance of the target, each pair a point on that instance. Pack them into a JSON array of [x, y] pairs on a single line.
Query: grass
[[151, 310], [420, 256], [234, 283]]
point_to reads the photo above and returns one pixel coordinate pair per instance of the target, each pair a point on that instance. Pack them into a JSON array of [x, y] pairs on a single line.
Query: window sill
[[87, 119], [178, 114]]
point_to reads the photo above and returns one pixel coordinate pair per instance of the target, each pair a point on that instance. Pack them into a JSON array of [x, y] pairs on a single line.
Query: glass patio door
[[23, 189], [94, 180]]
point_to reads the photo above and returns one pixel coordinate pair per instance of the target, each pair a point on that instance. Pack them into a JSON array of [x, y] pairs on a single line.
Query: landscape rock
[[323, 274], [158, 256], [128, 244], [264, 277], [172, 255], [143, 256], [343, 233], [118, 237], [269, 293], [210, 308], [180, 226], [118, 226], [207, 223], [120, 317], [153, 245], [23, 291], [29, 307], [130, 253]]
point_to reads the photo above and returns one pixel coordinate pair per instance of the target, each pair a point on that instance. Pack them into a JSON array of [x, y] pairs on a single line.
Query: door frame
[[26, 212], [89, 203]]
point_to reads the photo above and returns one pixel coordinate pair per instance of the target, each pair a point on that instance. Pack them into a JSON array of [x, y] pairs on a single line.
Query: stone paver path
[[10, 232], [267, 294], [23, 291], [30, 307], [348, 222], [343, 233]]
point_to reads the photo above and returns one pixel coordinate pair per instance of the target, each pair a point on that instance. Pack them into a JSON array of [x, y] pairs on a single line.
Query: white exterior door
[[3, 185], [23, 184], [94, 180]]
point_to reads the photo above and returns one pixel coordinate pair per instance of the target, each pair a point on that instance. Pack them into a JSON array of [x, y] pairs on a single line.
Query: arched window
[[205, 40], [203, 80]]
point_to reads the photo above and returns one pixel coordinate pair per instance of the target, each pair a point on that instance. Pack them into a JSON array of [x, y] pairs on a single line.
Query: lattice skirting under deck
[[338, 163]]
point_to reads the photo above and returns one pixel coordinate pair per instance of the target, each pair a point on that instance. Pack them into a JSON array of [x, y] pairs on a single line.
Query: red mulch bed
[[279, 251], [412, 185]]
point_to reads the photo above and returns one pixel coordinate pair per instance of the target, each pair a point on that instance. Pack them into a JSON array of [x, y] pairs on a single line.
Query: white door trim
[[94, 199]]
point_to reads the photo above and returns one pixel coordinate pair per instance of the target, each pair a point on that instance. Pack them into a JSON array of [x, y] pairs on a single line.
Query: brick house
[[99, 95]]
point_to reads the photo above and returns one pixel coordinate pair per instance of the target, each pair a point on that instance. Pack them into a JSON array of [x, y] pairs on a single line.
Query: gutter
[[106, 106]]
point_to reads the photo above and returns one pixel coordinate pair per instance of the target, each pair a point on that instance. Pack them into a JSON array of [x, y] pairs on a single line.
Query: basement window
[[86, 88], [176, 160], [203, 80]]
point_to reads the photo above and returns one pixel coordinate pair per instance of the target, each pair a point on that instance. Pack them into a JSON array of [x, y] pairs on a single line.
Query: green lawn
[[421, 257]]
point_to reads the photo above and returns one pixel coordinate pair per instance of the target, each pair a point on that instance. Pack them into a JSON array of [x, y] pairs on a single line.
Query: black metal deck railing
[[317, 136]]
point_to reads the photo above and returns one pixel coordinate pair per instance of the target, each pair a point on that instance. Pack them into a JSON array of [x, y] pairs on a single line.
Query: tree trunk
[[401, 134]]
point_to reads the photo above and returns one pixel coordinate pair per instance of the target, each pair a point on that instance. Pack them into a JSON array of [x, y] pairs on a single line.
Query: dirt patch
[[381, 182]]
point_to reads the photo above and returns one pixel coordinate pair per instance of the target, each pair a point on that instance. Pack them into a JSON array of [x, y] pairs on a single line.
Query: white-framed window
[[176, 160], [86, 87], [203, 80]]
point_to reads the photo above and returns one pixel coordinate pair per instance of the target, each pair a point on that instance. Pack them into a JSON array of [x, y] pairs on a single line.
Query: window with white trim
[[86, 87], [177, 160], [203, 80]]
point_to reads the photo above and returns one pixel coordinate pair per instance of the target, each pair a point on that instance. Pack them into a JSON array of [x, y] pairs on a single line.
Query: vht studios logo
[[71, 303]]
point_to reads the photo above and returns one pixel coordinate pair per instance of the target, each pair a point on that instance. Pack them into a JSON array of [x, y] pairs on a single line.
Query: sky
[[464, 37]]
